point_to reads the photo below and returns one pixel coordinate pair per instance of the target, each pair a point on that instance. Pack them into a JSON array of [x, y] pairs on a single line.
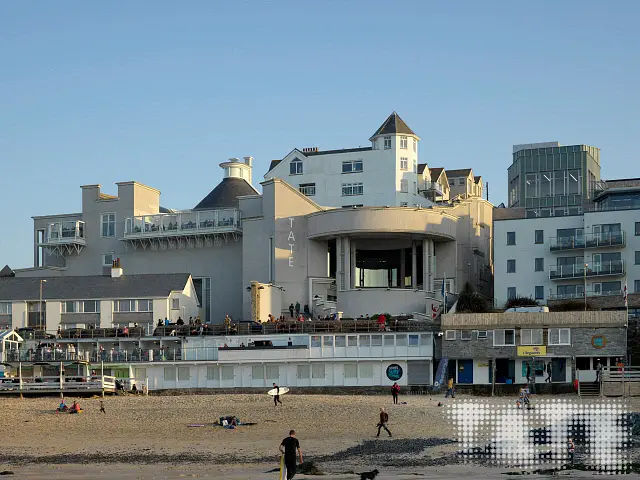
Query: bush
[[520, 302], [471, 302], [569, 306]]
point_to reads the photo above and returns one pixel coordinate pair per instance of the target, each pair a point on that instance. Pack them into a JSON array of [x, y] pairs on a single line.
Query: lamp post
[[40, 304], [585, 286]]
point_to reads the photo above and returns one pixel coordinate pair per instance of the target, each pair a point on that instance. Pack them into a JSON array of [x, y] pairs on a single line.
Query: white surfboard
[[274, 392], [283, 469]]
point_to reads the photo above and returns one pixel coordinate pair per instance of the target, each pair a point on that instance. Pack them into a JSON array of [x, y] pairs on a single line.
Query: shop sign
[[532, 351], [394, 372], [599, 341]]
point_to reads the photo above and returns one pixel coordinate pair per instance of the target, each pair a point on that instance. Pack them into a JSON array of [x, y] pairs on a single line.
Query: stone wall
[[485, 321]]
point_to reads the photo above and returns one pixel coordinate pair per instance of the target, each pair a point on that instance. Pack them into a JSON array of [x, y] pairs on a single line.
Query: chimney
[[249, 162], [116, 270], [236, 160], [310, 150]]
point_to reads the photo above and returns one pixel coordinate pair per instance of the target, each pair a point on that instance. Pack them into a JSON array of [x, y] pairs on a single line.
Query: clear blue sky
[[161, 92]]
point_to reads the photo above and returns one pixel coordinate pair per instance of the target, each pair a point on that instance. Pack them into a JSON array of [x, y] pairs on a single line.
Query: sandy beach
[[151, 437]]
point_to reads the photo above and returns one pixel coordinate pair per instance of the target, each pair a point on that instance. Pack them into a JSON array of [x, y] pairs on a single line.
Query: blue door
[[465, 371]]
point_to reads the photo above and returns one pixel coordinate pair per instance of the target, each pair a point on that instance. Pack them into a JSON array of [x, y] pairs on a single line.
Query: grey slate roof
[[226, 194], [463, 172], [342, 150], [435, 173], [477, 178], [421, 167], [273, 164], [7, 272], [393, 125], [92, 287]]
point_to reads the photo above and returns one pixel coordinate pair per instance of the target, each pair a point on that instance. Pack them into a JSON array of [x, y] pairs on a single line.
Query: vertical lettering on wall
[[291, 240]]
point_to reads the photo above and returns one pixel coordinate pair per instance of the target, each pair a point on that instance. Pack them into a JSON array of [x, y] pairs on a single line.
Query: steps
[[589, 389]]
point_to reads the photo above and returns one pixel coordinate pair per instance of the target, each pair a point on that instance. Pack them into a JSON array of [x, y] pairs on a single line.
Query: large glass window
[[5, 308], [308, 189], [574, 182], [559, 336], [546, 184], [352, 166], [560, 182], [108, 221], [531, 185], [349, 189], [531, 336], [504, 338]]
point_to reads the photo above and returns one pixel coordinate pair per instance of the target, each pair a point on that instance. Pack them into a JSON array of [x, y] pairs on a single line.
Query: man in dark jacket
[[384, 418]]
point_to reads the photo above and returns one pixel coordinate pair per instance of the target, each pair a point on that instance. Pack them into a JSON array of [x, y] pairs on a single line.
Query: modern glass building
[[550, 180]]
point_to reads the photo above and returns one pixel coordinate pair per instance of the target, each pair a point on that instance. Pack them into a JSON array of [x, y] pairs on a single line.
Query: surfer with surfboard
[[276, 396], [288, 448]]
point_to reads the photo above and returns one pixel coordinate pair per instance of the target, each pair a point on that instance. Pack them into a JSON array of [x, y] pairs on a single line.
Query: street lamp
[[40, 304]]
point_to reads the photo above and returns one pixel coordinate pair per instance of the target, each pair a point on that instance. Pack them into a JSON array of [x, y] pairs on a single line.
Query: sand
[[150, 437]]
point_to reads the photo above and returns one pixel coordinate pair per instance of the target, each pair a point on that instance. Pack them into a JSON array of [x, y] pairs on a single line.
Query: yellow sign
[[532, 351]]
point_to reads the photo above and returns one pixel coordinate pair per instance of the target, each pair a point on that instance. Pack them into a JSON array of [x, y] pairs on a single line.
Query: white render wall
[[526, 250]]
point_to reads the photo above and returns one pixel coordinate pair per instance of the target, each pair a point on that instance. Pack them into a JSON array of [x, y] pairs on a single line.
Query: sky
[[162, 92]]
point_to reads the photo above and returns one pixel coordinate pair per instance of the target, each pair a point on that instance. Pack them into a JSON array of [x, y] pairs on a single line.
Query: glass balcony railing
[[579, 295], [185, 223], [578, 270], [71, 231], [433, 187], [589, 240]]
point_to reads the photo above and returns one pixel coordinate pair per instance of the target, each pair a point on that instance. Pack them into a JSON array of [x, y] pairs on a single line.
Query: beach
[[153, 437]]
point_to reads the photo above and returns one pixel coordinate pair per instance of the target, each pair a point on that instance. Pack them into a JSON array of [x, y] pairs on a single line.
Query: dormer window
[[387, 143], [403, 142], [295, 167]]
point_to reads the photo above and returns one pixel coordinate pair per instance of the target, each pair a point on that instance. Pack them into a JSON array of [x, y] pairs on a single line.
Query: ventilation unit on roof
[[309, 149]]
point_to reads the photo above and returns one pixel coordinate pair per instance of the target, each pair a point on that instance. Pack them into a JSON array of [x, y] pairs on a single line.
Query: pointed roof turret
[[393, 125]]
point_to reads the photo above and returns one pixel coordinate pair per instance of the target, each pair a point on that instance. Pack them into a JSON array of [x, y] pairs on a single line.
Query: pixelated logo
[[546, 434]]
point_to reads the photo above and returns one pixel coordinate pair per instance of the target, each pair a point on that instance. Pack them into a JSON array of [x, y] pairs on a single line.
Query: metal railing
[[70, 231], [578, 270], [580, 295], [589, 240], [186, 223], [67, 383]]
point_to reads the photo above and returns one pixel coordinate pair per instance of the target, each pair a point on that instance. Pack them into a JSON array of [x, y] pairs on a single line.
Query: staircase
[[322, 307], [588, 389]]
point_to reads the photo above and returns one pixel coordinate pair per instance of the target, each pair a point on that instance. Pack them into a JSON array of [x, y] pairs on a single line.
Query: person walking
[[548, 379], [291, 310], [528, 372], [384, 418], [276, 397], [102, 410], [450, 391], [571, 449], [598, 371], [395, 391], [289, 447]]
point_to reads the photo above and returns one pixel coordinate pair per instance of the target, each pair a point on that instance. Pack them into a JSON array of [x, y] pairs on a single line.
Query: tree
[[470, 301], [520, 302]]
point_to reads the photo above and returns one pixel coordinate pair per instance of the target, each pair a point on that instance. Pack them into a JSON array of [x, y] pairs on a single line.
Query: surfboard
[[273, 391], [283, 469]]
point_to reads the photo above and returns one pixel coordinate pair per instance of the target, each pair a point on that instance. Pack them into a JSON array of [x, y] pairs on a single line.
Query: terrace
[[64, 237], [589, 240]]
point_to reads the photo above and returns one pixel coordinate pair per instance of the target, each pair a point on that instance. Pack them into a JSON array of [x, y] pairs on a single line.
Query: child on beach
[[384, 418], [102, 410]]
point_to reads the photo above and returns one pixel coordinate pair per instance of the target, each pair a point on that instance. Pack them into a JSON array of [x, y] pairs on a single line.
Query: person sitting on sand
[[63, 407], [75, 408]]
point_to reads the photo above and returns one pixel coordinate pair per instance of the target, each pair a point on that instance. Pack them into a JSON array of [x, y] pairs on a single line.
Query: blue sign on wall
[[394, 372]]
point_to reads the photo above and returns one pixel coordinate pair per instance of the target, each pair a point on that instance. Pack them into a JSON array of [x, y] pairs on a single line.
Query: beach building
[[495, 348], [591, 254]]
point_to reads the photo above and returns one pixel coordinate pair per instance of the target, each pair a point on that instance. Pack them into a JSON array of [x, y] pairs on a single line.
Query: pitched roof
[[226, 194], [421, 167], [477, 178], [342, 150], [273, 164], [463, 172], [7, 272], [92, 287], [393, 125], [435, 172]]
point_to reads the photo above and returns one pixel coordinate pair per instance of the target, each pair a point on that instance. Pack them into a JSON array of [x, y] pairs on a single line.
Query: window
[[213, 373], [352, 166], [389, 341], [131, 305], [317, 370], [5, 308], [295, 167], [365, 340], [511, 292], [107, 259], [404, 185], [637, 258], [352, 189], [108, 221], [465, 335], [415, 166], [145, 306], [272, 372], [183, 374], [327, 341], [404, 163], [636, 286], [482, 334], [387, 143], [511, 265], [376, 340], [539, 265], [403, 142], [539, 292], [531, 336], [559, 336], [169, 374], [415, 145], [303, 372], [366, 370], [504, 338], [175, 304], [350, 370], [352, 341], [308, 189], [69, 307], [341, 341], [257, 372], [461, 182], [637, 229], [123, 305], [414, 340], [316, 341], [227, 373], [450, 335], [82, 306], [401, 340], [511, 238], [539, 236]]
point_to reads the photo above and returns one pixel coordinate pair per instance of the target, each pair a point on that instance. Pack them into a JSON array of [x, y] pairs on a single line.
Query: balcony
[[580, 295], [189, 229], [64, 238], [578, 270], [433, 188], [589, 240]]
